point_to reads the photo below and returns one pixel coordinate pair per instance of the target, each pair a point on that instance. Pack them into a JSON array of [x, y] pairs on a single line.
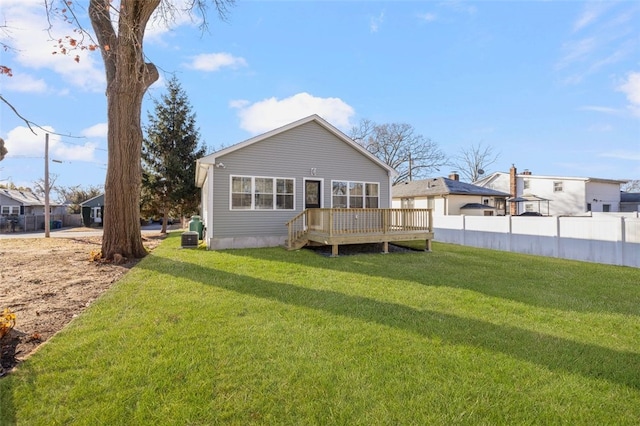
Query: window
[[606, 208], [284, 194], [261, 193], [371, 195], [8, 210], [588, 207], [431, 203], [557, 186], [355, 195], [528, 207], [525, 183], [407, 203]]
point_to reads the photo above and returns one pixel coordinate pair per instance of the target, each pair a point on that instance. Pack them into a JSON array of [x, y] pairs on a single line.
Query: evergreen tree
[[169, 154]]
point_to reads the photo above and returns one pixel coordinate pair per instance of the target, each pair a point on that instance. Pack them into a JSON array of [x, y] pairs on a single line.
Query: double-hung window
[[355, 195], [261, 193], [9, 210]]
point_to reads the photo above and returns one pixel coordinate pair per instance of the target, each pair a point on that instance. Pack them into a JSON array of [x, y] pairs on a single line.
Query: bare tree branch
[[474, 161], [397, 145]]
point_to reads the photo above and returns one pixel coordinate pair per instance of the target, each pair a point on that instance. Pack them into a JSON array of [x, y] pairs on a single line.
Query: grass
[[264, 336]]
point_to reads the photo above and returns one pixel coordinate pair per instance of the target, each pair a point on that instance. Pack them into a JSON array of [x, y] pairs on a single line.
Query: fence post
[[464, 230], [623, 241], [556, 248]]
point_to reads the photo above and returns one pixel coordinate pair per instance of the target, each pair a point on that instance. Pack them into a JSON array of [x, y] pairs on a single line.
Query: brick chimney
[[454, 176], [513, 188]]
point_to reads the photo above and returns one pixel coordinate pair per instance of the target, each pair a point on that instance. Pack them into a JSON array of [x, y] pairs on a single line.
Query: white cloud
[[216, 61], [621, 155], [272, 113], [427, 17], [21, 142], [459, 6], [375, 22], [96, 131], [590, 14], [75, 152], [25, 83], [631, 88], [595, 108], [33, 45], [605, 34]]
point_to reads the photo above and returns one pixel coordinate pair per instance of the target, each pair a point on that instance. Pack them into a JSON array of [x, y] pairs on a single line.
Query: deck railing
[[340, 222]]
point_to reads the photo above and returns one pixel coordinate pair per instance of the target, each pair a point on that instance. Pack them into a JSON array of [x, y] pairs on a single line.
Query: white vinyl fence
[[605, 238]]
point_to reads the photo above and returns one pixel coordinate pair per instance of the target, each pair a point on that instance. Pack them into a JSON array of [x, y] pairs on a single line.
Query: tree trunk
[[123, 182], [128, 78]]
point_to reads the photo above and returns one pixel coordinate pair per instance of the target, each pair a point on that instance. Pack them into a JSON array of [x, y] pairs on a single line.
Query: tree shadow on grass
[[554, 353], [537, 281]]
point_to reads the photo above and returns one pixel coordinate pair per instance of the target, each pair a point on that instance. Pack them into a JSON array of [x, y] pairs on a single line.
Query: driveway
[[81, 232]]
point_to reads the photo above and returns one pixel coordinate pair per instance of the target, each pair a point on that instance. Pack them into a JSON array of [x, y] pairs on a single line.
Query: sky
[[550, 86]]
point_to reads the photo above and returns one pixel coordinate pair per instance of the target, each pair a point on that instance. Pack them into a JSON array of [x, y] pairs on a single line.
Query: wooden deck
[[335, 227]]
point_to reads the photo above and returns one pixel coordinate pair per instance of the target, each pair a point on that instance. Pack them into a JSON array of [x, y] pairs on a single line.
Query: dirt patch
[[47, 282]]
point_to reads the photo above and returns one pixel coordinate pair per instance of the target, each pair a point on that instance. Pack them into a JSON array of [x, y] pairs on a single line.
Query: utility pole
[[47, 213]]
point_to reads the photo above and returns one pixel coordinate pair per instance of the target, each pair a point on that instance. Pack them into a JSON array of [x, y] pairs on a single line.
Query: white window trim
[[253, 193], [12, 210], [364, 191]]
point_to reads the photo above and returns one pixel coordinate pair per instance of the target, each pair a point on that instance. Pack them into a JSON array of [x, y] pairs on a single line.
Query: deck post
[[427, 246], [385, 247], [334, 250]]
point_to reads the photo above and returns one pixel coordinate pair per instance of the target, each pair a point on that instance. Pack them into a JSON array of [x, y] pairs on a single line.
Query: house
[[449, 196], [254, 190], [20, 210], [629, 201], [555, 195], [92, 210]]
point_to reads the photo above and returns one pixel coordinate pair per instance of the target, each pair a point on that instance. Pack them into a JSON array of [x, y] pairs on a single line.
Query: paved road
[[78, 232]]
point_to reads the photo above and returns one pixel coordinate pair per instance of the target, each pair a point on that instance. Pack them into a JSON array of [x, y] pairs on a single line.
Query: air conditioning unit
[[190, 239]]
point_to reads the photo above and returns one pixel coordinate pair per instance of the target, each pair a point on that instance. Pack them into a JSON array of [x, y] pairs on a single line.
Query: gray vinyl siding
[[291, 154]]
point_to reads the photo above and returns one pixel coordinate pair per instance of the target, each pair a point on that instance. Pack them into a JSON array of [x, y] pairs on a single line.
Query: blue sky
[[552, 86]]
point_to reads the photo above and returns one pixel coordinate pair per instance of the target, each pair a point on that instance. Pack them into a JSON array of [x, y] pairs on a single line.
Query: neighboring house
[[16, 205], [555, 195], [250, 190], [449, 196], [629, 201], [92, 210]]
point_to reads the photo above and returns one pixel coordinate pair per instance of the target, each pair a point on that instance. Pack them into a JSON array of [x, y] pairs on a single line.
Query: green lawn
[[266, 336]]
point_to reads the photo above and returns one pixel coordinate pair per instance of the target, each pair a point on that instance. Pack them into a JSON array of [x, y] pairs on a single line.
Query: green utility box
[[195, 225]]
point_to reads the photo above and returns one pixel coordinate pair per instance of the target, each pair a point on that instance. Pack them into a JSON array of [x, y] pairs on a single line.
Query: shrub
[[7, 322]]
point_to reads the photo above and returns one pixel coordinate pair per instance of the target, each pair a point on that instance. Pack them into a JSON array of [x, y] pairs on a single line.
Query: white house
[[449, 196], [555, 195]]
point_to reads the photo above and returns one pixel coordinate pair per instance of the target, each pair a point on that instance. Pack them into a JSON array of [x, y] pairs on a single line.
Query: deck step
[[297, 244]]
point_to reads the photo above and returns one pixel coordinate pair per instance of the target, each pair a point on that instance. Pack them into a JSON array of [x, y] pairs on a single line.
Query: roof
[[477, 206], [629, 197], [203, 163], [25, 198], [93, 202], [526, 198], [441, 186], [493, 176]]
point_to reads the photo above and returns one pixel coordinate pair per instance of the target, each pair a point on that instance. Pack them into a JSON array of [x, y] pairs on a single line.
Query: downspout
[[209, 219], [390, 200]]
